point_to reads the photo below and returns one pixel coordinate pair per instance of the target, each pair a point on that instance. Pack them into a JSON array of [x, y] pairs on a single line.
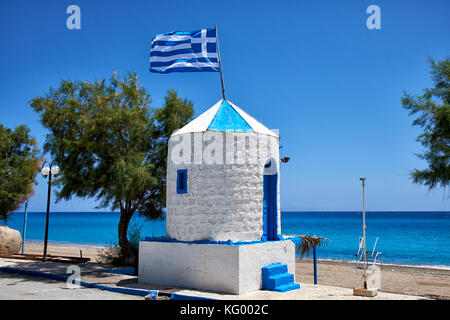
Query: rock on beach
[[10, 240]]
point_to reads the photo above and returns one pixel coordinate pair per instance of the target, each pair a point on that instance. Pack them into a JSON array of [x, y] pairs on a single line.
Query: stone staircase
[[276, 278]]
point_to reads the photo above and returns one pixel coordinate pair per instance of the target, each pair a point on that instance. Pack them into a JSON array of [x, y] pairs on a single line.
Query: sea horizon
[[284, 211]]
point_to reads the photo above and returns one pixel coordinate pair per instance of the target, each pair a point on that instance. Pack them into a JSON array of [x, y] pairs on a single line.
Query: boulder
[[10, 240]]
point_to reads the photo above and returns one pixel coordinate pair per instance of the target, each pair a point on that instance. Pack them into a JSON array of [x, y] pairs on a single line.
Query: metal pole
[[48, 213], [220, 65], [315, 264], [24, 227], [364, 234]]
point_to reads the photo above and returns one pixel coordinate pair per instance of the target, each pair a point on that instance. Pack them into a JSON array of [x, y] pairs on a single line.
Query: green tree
[[433, 110], [174, 114], [19, 164], [103, 135]]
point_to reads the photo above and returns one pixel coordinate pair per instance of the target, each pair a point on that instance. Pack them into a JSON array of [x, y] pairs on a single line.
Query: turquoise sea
[[408, 238]]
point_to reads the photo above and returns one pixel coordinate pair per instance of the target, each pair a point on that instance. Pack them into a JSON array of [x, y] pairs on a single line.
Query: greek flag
[[184, 52]]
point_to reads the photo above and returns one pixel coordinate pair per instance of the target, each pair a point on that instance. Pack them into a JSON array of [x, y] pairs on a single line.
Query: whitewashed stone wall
[[225, 195], [232, 269]]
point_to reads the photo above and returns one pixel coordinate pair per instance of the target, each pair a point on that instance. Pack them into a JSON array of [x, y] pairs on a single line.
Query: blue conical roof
[[227, 119], [225, 116]]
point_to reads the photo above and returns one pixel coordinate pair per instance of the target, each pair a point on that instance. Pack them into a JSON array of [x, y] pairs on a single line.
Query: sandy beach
[[87, 251], [428, 282]]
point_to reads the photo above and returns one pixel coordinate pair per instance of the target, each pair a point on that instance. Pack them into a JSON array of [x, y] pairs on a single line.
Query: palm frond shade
[[309, 242]]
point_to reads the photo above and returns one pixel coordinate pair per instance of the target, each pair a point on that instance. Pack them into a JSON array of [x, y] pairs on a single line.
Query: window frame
[[182, 175]]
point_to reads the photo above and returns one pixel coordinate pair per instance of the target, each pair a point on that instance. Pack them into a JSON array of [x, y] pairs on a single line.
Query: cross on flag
[[181, 51]]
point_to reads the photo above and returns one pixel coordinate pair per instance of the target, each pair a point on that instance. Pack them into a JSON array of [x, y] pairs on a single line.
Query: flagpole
[[220, 65], [364, 233]]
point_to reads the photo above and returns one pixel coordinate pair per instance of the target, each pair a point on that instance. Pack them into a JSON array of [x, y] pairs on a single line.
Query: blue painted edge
[[129, 271], [207, 241], [177, 296], [124, 290], [295, 240]]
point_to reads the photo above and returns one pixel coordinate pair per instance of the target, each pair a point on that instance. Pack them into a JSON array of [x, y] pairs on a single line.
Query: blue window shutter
[[182, 181]]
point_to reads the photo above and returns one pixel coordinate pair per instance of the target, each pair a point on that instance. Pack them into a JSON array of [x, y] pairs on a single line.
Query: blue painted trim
[[207, 241], [181, 181], [138, 292], [129, 271], [270, 210], [295, 240]]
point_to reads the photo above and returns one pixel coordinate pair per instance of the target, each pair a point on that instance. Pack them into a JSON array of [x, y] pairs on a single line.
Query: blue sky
[[312, 69]]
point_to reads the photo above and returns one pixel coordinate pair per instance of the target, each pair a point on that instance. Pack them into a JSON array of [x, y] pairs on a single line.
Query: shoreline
[[321, 260], [443, 268], [386, 267], [64, 249], [68, 244]]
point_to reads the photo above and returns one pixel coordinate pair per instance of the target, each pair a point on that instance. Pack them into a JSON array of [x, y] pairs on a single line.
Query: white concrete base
[[365, 292], [223, 268]]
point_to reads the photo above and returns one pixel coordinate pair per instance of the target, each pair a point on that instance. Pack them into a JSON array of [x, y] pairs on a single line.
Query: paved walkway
[[306, 292], [22, 286]]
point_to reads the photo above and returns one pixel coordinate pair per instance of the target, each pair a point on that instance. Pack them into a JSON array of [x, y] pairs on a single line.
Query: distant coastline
[[397, 231], [68, 244], [323, 260]]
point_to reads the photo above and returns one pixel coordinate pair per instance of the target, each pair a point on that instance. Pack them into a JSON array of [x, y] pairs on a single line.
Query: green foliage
[[111, 145], [174, 114], [100, 136], [18, 168], [114, 255], [433, 111]]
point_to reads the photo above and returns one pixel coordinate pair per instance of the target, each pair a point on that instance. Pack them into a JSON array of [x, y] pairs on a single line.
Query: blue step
[[276, 278], [279, 280], [288, 287], [274, 269]]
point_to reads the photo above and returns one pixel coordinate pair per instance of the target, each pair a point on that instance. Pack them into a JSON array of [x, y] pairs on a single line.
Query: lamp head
[[45, 171], [55, 171]]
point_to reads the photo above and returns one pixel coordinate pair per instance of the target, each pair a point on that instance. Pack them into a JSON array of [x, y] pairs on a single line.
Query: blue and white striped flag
[[185, 52]]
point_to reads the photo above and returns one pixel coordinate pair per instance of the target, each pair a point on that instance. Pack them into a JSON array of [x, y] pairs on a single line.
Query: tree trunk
[[127, 250]]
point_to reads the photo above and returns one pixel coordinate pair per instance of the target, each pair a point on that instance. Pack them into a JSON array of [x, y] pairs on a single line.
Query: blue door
[[270, 226]]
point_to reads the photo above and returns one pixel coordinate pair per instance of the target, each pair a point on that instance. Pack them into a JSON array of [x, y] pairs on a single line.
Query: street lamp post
[[48, 172], [24, 227]]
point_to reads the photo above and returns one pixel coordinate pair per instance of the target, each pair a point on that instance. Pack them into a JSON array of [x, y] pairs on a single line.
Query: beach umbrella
[[310, 243]]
